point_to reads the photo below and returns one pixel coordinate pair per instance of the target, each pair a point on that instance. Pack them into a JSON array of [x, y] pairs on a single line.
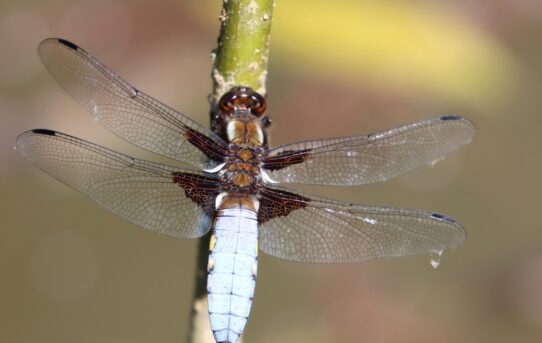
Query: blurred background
[[72, 272]]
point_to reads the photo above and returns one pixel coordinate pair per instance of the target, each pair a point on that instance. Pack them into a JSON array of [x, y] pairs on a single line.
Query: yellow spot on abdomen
[[255, 264], [212, 243], [210, 264], [254, 269]]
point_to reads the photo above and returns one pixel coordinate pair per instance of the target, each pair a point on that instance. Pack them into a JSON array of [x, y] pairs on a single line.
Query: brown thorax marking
[[242, 179], [242, 174], [243, 167], [245, 154], [245, 133]]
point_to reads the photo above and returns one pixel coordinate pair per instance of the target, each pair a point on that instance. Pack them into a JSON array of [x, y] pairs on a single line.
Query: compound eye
[[258, 104], [266, 122], [227, 102]]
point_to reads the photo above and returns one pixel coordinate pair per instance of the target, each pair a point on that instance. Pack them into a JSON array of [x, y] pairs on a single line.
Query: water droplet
[[432, 163], [435, 258], [369, 220], [351, 153]]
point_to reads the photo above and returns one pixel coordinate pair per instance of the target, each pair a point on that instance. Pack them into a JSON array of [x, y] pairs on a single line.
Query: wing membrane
[[305, 228], [151, 195], [126, 111], [370, 158]]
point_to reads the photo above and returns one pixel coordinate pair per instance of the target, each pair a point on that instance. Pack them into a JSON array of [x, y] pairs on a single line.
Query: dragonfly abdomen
[[233, 260]]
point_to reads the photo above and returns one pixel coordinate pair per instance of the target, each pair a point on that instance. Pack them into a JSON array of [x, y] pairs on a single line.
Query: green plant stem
[[243, 46], [239, 60]]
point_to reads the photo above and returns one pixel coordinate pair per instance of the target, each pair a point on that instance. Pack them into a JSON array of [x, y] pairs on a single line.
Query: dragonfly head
[[240, 100]]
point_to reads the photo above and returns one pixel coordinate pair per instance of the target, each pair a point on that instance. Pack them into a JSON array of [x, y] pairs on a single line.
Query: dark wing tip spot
[[442, 217], [450, 117], [44, 132], [68, 44]]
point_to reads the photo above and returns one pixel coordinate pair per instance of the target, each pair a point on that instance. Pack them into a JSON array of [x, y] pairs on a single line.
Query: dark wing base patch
[[200, 189], [276, 203], [205, 144], [286, 158]]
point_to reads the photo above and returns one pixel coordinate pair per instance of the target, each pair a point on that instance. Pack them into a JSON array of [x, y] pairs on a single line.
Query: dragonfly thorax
[[241, 173]]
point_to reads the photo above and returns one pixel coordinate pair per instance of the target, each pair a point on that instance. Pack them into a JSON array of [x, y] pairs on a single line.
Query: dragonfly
[[233, 184]]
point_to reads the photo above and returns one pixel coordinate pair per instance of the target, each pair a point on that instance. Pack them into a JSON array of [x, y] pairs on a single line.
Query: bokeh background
[[72, 272]]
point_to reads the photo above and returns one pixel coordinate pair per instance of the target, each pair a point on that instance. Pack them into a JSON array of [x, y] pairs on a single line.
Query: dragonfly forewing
[[358, 160], [127, 111]]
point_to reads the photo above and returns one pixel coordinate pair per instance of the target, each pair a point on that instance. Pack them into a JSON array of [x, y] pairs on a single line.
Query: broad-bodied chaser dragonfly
[[234, 190]]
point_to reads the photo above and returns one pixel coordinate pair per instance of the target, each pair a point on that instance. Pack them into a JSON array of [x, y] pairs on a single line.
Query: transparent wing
[[154, 196], [305, 228], [126, 111], [370, 158]]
